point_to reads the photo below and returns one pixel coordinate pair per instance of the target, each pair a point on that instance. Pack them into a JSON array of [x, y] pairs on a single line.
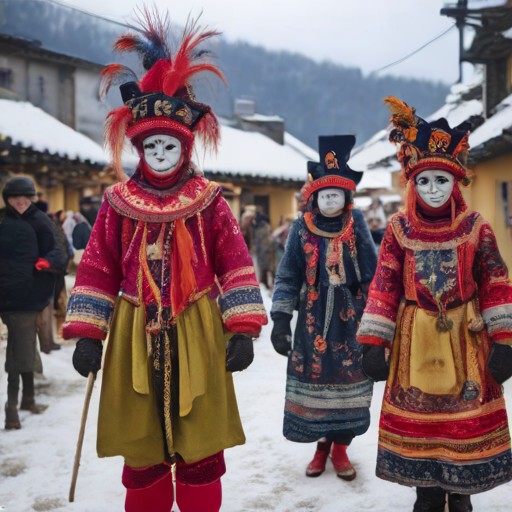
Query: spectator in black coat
[[58, 260], [40, 204], [26, 245]]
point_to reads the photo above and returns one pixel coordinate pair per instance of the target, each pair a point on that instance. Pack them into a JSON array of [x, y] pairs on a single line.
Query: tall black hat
[[333, 171]]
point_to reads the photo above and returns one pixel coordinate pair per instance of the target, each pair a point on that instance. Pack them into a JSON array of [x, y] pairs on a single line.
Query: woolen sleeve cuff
[[372, 340], [503, 338], [82, 330], [377, 326], [88, 307], [243, 310]]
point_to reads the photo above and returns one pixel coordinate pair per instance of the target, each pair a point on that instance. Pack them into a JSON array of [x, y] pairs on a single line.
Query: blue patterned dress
[[328, 263]]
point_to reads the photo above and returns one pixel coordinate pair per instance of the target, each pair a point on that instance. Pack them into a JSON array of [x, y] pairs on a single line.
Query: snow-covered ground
[[266, 474]]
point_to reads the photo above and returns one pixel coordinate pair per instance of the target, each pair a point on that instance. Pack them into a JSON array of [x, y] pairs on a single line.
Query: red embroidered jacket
[[453, 265], [115, 260]]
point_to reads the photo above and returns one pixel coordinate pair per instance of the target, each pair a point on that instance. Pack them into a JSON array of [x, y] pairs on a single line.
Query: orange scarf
[[183, 283]]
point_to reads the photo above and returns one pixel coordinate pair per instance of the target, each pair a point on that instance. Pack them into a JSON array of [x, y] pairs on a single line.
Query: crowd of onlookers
[[268, 245], [37, 248]]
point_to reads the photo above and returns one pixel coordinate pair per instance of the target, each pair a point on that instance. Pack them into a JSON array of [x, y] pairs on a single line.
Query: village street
[[266, 474]]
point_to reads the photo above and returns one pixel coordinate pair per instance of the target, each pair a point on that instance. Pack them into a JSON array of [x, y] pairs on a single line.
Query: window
[[5, 78]]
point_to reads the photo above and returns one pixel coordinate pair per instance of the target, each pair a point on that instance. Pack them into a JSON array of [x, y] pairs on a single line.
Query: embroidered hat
[[426, 145], [332, 171], [163, 100]]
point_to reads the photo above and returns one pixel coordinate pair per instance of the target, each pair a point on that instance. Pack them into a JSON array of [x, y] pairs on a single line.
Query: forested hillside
[[314, 97]]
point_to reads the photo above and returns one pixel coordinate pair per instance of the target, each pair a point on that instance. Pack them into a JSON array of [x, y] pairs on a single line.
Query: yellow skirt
[[208, 419]]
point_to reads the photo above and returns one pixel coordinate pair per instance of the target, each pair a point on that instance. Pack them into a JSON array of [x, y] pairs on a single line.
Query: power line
[[415, 51], [88, 13]]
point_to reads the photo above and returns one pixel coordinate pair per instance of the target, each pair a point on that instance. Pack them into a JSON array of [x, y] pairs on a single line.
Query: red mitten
[[42, 264]]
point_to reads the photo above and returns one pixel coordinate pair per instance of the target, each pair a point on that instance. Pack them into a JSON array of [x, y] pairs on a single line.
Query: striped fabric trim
[[498, 319], [464, 478], [240, 276], [378, 326], [242, 301], [459, 450], [90, 306], [329, 396]]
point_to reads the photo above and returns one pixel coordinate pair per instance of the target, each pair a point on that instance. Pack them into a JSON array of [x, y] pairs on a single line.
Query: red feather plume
[[208, 130], [126, 43], [166, 73], [115, 74], [183, 63], [116, 125]]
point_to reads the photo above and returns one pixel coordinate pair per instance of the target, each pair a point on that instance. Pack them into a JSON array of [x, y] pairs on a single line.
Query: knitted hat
[[20, 186]]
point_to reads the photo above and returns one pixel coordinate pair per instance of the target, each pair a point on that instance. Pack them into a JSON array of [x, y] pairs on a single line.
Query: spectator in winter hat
[[26, 239]]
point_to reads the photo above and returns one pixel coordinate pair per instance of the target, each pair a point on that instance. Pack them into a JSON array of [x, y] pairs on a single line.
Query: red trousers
[[160, 497]]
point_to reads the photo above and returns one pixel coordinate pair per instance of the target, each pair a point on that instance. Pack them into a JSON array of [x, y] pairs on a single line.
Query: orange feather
[[400, 111]]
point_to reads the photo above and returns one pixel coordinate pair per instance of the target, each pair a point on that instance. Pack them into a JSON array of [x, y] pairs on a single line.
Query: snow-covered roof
[[374, 154], [456, 113], [254, 154], [261, 118], [379, 155], [375, 179], [495, 125], [300, 147], [33, 128], [486, 4]]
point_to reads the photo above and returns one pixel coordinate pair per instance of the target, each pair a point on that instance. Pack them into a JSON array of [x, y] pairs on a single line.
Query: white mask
[[331, 201], [434, 187], [162, 153]]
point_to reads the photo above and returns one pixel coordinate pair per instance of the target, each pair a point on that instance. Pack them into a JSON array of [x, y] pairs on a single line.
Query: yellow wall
[[484, 196], [56, 198], [72, 198], [281, 202]]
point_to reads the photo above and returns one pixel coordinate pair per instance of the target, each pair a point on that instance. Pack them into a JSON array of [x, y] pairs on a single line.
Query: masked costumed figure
[[328, 264], [442, 301], [164, 244]]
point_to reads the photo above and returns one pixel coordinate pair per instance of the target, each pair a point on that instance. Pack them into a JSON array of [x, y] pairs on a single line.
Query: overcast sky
[[365, 33]]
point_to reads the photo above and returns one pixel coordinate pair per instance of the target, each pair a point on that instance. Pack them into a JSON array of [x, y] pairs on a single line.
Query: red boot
[[157, 498], [342, 465], [317, 465], [199, 498]]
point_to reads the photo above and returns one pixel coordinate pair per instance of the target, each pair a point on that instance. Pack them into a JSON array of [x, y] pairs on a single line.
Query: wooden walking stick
[[87, 401]]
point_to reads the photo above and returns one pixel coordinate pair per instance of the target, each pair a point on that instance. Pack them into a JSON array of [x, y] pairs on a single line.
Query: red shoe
[[317, 465], [342, 465]]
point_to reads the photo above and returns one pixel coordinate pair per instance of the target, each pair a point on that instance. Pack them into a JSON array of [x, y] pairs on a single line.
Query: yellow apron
[[128, 422]]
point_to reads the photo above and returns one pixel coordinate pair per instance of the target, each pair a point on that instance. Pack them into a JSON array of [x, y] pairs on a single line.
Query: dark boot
[[430, 499], [27, 401], [459, 503], [317, 465], [341, 462], [12, 421]]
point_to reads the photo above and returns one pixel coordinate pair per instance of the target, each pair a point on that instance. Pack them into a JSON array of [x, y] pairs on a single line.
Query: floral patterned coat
[[324, 268]]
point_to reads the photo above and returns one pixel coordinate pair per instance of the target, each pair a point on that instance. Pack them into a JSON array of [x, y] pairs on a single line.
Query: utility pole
[[459, 12]]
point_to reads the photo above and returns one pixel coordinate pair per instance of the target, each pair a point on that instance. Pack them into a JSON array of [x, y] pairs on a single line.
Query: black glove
[[239, 353], [281, 336], [500, 363], [87, 356], [374, 362]]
